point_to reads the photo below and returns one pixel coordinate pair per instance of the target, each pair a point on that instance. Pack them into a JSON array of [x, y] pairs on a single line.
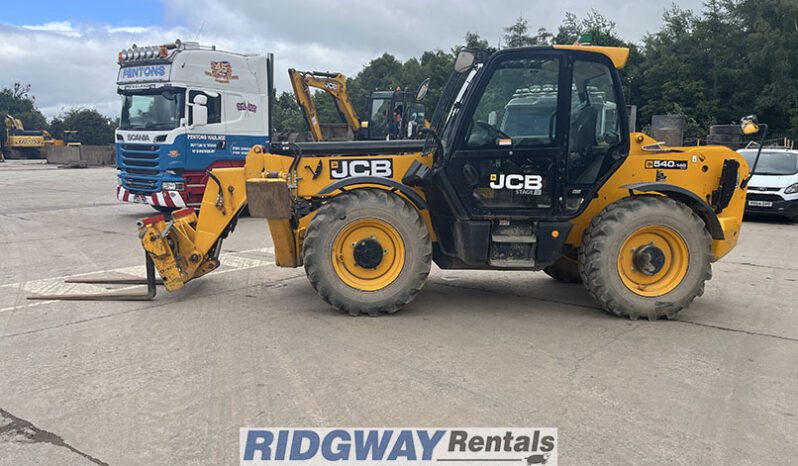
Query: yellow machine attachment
[[333, 84]]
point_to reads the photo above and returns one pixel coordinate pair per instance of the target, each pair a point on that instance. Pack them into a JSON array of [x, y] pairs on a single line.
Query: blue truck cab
[[186, 109]]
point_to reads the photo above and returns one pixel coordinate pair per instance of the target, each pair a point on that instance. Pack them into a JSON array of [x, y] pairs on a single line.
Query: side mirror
[[749, 124], [422, 90], [464, 61], [199, 110]]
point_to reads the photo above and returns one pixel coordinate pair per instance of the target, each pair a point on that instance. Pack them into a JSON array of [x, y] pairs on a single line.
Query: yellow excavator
[[333, 84], [70, 138], [527, 166], [391, 114], [21, 143]]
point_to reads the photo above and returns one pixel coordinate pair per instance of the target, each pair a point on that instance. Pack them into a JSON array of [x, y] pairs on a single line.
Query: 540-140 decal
[[666, 164]]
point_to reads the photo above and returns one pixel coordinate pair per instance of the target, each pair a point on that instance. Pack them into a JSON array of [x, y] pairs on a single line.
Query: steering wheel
[[492, 130]]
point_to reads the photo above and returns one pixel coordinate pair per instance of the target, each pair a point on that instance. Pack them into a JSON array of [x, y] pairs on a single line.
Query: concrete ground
[[171, 381]]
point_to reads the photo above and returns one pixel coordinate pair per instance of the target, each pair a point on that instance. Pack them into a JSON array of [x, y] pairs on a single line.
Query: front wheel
[[646, 256], [367, 251]]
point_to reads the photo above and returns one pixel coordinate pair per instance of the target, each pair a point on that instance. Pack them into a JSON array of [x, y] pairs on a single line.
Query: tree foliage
[[728, 59], [92, 127]]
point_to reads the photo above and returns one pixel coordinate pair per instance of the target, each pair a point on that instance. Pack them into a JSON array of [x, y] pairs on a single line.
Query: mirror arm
[[744, 183], [438, 143]]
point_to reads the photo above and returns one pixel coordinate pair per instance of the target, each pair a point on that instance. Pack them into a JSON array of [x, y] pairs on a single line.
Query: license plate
[[760, 203], [139, 199]]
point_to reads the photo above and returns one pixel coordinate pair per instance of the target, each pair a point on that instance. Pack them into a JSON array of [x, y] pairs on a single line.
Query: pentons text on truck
[[186, 109]]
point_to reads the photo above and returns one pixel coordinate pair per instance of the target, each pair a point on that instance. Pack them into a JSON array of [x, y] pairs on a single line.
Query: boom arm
[[333, 84]]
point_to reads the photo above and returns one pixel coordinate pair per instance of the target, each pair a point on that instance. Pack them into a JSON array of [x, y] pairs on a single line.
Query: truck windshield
[[152, 111], [773, 162]]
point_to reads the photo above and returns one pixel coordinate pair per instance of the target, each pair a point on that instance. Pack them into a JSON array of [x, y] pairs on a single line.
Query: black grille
[[764, 197], [141, 171], [140, 184], [141, 163], [140, 148], [756, 188]]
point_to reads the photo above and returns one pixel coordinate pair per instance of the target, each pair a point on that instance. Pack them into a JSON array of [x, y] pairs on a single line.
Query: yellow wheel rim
[[373, 232], [671, 260]]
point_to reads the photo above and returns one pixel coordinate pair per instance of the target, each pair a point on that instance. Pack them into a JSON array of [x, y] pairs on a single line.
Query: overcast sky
[[67, 50]]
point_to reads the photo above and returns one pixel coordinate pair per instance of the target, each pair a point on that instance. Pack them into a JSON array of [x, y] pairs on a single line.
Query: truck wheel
[[566, 269], [367, 251], [646, 256]]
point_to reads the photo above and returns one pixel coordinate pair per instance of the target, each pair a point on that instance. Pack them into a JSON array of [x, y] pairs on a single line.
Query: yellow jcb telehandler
[[527, 166]]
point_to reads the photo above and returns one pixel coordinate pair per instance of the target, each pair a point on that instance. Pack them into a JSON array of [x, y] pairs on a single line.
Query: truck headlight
[[791, 189], [172, 186]]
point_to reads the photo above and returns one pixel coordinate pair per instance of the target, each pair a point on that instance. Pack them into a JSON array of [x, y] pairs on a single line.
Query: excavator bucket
[[150, 281]]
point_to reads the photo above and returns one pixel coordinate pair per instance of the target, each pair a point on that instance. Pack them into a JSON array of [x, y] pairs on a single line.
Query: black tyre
[[566, 269], [367, 251], [646, 256]]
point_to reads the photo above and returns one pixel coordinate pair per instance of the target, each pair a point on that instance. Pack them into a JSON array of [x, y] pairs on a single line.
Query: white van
[[774, 187]]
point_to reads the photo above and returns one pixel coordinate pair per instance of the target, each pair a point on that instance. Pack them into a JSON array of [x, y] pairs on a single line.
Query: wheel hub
[[368, 253], [649, 259]]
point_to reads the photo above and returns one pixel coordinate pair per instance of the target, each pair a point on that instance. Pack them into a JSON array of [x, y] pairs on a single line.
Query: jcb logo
[[344, 168], [526, 182]]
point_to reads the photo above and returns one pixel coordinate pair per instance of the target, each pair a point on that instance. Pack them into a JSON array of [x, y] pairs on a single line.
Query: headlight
[[791, 189], [172, 186]]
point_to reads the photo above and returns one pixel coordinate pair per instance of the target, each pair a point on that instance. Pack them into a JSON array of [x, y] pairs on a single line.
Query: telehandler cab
[[527, 166]]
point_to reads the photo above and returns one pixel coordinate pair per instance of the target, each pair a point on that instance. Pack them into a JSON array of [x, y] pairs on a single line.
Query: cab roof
[[618, 55]]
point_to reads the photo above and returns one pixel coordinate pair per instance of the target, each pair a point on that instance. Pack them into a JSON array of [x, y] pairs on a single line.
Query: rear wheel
[[566, 269], [367, 251], [646, 256]]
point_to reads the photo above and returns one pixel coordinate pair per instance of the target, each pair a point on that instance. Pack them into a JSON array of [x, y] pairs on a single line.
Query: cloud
[[73, 63]]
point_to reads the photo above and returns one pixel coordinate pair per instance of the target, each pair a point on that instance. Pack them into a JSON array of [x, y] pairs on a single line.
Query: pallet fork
[[150, 281]]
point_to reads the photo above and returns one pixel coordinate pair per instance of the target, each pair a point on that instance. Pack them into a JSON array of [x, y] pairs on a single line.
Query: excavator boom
[[333, 84]]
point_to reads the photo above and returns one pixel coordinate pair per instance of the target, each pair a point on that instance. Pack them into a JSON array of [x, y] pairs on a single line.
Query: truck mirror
[[200, 115], [200, 99], [749, 124], [422, 90], [464, 62]]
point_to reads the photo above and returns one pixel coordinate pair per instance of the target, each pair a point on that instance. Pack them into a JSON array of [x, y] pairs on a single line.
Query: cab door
[[507, 158]]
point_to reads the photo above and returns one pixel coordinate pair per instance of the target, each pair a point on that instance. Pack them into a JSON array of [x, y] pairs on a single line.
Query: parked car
[[774, 187]]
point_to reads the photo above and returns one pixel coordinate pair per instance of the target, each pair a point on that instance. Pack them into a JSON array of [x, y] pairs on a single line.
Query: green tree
[[17, 101], [516, 34], [287, 114], [93, 128]]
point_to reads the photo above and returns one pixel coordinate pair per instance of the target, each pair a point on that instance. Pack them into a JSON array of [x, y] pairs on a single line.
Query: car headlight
[[791, 189], [172, 186]]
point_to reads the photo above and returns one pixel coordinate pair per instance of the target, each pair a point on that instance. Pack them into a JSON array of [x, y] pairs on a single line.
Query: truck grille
[[141, 162], [764, 197]]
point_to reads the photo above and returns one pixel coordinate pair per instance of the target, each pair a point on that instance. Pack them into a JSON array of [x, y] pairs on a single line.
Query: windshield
[[773, 162], [450, 101], [152, 111]]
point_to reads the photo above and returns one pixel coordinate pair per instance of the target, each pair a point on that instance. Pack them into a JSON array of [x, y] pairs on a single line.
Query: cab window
[[518, 107], [595, 126], [214, 106]]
